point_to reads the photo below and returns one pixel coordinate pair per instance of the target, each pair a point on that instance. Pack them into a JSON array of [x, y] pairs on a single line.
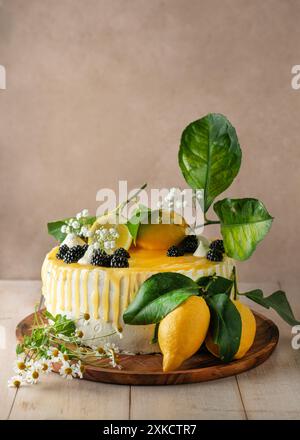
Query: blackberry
[[81, 250], [189, 244], [62, 252], [214, 255], [121, 252], [101, 258], [217, 244], [119, 261], [72, 256], [175, 251]]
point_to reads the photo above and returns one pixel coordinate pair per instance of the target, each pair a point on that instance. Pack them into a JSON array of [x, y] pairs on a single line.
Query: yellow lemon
[[162, 235], [247, 335], [182, 331], [123, 239]]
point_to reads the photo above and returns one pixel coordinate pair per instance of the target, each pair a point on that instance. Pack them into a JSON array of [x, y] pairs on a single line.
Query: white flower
[[67, 370], [102, 233], [64, 357], [112, 230], [112, 244], [33, 373], [68, 230], [20, 366], [96, 245], [79, 369], [54, 354], [63, 229], [85, 213], [45, 365], [76, 224], [107, 244], [78, 215], [15, 381]]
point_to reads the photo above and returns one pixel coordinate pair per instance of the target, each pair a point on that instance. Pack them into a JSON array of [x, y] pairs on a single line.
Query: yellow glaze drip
[[77, 294], [69, 290], [85, 292], [54, 290], [96, 295], [105, 298], [62, 293]]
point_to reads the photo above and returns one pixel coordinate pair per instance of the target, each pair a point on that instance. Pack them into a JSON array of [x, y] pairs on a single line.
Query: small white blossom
[[111, 347], [76, 224], [96, 245], [67, 370], [79, 369], [20, 366], [54, 354], [45, 365], [112, 230], [33, 374], [78, 215], [112, 244], [15, 381], [63, 229], [85, 213], [68, 230], [107, 245]]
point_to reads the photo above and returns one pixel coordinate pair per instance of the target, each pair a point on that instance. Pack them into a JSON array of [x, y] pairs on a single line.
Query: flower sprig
[[55, 340], [77, 225]]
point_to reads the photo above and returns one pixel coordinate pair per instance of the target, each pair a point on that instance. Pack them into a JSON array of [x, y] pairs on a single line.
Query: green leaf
[[277, 301], [213, 285], [226, 325], [210, 155], [54, 228], [158, 296], [135, 221], [19, 349], [244, 223]]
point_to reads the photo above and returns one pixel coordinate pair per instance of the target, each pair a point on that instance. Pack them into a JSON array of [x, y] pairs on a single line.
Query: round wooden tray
[[147, 369]]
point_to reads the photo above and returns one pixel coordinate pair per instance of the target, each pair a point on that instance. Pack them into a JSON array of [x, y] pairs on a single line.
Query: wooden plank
[[57, 398], [7, 357], [272, 390], [218, 399]]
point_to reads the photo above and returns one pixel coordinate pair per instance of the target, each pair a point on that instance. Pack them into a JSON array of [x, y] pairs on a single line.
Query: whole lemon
[[247, 335], [182, 331]]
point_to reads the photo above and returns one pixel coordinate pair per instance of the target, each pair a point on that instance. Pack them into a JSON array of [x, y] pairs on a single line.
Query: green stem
[[235, 288]]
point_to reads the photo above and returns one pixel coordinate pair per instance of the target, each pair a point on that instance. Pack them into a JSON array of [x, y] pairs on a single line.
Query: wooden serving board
[[147, 369]]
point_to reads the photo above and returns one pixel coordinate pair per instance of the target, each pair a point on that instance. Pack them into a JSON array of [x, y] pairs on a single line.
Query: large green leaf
[[158, 296], [54, 228], [213, 285], [210, 155], [226, 325], [244, 223], [277, 301]]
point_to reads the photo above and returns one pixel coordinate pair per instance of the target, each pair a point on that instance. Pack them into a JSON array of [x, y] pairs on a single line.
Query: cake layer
[[104, 293]]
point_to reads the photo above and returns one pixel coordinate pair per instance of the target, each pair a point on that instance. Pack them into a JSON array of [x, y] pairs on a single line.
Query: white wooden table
[[271, 391]]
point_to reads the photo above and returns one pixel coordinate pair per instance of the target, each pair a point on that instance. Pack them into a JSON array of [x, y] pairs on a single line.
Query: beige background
[[100, 90]]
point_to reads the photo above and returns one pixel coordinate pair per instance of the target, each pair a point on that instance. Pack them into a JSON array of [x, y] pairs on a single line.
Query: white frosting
[[72, 240], [87, 258], [203, 246]]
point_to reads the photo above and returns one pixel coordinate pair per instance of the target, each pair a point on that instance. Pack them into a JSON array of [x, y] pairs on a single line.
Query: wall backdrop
[[100, 90]]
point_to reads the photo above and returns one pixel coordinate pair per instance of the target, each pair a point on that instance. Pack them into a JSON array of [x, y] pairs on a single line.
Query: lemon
[[247, 335], [124, 239], [182, 331], [162, 235]]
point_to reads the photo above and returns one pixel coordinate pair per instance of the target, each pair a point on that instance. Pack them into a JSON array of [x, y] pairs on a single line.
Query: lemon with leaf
[[182, 332]]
